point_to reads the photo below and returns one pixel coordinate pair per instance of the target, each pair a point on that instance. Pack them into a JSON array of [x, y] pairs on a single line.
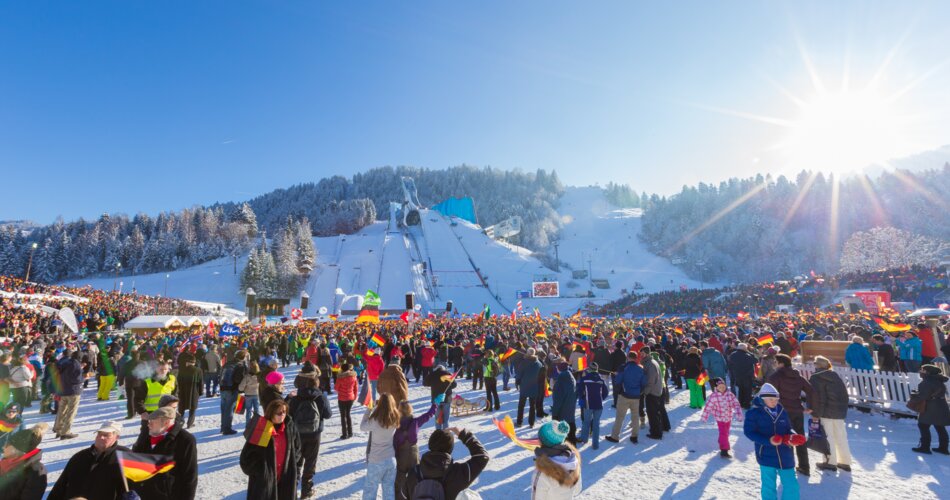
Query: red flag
[[239, 406]]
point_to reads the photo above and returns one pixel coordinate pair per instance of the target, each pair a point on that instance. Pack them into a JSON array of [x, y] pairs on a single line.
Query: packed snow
[[684, 464]]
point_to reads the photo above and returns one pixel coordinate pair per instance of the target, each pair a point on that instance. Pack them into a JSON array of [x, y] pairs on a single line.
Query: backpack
[[227, 377], [427, 489], [306, 416]]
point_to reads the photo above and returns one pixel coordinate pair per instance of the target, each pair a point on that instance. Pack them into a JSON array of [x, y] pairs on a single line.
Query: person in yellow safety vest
[[156, 386]]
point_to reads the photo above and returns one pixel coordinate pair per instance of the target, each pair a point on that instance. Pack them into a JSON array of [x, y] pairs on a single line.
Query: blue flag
[[228, 329]]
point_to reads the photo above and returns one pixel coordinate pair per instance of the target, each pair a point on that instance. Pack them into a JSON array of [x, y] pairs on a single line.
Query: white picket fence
[[885, 391]]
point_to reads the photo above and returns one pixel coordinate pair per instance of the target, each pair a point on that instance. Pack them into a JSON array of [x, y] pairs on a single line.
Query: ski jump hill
[[449, 259]]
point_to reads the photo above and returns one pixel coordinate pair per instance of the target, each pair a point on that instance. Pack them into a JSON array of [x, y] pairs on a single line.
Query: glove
[[439, 399], [776, 440], [794, 440]]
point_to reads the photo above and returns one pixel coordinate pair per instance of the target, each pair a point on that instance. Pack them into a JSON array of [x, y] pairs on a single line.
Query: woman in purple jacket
[[405, 440]]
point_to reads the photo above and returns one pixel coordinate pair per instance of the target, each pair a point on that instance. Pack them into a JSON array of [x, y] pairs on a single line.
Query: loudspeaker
[[448, 306], [249, 301], [854, 308], [304, 302], [410, 301]]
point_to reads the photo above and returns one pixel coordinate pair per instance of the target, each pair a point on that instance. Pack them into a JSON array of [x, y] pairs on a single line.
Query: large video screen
[[545, 289]]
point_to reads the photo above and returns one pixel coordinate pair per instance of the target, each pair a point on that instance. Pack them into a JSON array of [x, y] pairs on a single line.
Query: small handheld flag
[[765, 339], [585, 331], [138, 467], [581, 363], [541, 335], [509, 353], [378, 339], [702, 378], [239, 407], [263, 431]]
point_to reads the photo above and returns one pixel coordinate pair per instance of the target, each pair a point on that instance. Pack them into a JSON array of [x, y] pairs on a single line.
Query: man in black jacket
[[94, 471], [437, 464], [742, 367], [166, 437], [308, 410], [886, 357], [231, 376]]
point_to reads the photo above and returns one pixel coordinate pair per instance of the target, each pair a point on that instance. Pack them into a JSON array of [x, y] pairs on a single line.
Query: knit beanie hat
[[441, 441], [274, 378], [716, 381], [768, 391], [553, 433], [28, 439], [307, 367]]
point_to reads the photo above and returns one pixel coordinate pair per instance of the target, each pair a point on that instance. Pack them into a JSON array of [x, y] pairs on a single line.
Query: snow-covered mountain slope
[[447, 259]]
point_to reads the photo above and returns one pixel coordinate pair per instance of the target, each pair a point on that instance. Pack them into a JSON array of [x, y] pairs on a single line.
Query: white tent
[[154, 323]]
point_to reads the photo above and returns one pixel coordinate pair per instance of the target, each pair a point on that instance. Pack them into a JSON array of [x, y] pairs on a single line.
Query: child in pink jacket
[[722, 405]]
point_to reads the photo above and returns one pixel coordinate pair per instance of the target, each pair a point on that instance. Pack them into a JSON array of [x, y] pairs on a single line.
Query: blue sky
[[149, 106]]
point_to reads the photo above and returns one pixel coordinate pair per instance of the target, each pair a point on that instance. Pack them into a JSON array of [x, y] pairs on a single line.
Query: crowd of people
[[569, 369]]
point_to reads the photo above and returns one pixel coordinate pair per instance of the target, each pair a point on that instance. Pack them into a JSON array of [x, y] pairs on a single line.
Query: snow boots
[[724, 454]]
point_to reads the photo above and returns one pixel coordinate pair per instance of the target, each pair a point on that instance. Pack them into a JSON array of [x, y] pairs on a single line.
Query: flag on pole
[[678, 330], [586, 331], [378, 340], [138, 467], [540, 334], [547, 388], [581, 363], [369, 313], [486, 313], [518, 306], [702, 378], [507, 354], [765, 339]]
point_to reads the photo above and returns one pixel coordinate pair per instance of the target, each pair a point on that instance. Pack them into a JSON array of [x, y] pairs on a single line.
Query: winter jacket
[[25, 479], [393, 381], [617, 359], [631, 380], [910, 349], [829, 395], [760, 426], [90, 474], [693, 365], [858, 357], [380, 447], [181, 482], [714, 363], [20, 377], [251, 385], [742, 365], [260, 465], [790, 386], [557, 473], [654, 381], [564, 398], [190, 387], [454, 476], [211, 363], [346, 386], [591, 391], [70, 373], [527, 377], [438, 386], [722, 406], [310, 405], [427, 354], [887, 358], [933, 389], [374, 366], [269, 393], [602, 358], [408, 431]]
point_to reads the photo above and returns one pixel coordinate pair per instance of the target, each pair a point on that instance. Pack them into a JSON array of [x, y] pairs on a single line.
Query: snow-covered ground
[[685, 464]]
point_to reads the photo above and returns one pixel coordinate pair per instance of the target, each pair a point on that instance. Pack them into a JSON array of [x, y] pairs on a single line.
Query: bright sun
[[843, 131]]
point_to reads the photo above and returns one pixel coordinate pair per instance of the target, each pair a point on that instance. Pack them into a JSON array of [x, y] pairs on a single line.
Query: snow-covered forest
[[117, 243], [280, 270], [765, 228], [339, 205]]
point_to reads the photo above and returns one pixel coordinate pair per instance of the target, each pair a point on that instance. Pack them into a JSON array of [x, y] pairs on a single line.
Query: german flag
[[585, 331], [540, 334], [547, 388], [891, 327], [702, 378], [333, 317], [336, 368], [138, 467], [239, 407], [573, 324], [378, 339], [368, 400], [263, 431], [369, 313], [509, 353], [577, 314], [581, 363], [765, 339], [6, 426], [678, 330]]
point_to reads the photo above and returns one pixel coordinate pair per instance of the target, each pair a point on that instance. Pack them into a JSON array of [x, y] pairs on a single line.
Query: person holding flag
[[94, 472], [271, 453], [164, 437], [441, 381]]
